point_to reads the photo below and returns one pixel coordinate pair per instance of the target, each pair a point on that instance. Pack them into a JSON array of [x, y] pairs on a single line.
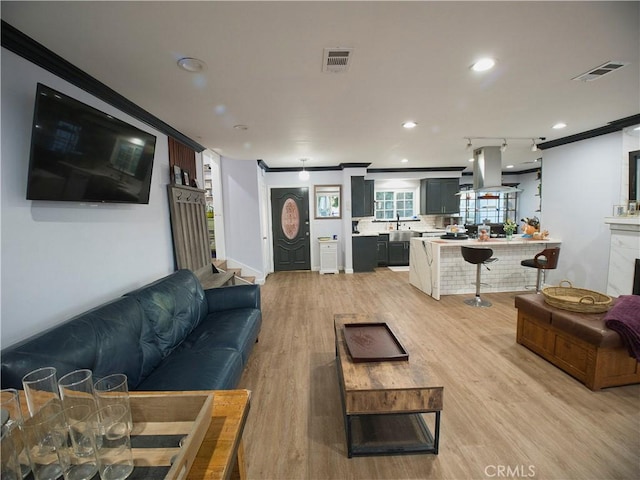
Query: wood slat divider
[[182, 156], [189, 228]]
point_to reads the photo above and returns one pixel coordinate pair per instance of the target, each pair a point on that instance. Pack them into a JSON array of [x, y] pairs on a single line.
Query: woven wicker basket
[[576, 299]]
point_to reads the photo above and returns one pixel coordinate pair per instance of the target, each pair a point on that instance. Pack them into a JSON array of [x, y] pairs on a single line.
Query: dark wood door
[[438, 196], [290, 220], [362, 197], [398, 253], [365, 253]]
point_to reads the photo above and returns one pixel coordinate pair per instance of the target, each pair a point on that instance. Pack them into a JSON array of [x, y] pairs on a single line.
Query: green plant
[[510, 226]]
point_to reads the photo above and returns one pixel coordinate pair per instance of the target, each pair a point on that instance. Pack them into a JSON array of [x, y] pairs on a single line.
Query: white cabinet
[[328, 256]]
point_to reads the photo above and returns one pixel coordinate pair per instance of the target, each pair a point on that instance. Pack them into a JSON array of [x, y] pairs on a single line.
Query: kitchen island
[[437, 268]]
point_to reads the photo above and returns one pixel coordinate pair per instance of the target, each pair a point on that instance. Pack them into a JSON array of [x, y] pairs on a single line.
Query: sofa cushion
[[185, 369], [174, 306], [534, 305], [233, 296], [589, 327], [585, 326], [237, 329], [108, 339]]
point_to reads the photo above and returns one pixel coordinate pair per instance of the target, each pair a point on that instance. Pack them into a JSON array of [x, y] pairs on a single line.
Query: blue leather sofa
[[168, 335]]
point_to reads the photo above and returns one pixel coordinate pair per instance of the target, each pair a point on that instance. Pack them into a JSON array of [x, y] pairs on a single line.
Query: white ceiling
[[410, 61]]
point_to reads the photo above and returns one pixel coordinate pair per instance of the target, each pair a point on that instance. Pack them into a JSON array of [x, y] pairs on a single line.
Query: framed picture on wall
[[185, 178], [177, 175]]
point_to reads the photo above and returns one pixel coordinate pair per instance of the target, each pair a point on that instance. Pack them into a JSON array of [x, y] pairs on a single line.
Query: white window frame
[[395, 203]]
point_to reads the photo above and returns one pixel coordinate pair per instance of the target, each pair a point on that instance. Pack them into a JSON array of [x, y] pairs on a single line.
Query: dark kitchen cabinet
[[438, 196], [362, 197], [398, 253], [365, 253], [383, 250]]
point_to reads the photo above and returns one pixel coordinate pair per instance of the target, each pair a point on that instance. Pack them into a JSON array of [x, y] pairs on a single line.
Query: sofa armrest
[[233, 296]]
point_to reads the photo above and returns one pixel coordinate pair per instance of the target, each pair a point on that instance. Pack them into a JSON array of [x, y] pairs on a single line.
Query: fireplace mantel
[[632, 221], [623, 252]]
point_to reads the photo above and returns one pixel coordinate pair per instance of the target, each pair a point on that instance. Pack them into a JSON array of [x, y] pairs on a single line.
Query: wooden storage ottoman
[[577, 343]]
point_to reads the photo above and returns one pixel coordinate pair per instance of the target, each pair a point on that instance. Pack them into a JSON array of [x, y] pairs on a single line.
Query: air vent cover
[[336, 60], [598, 72]]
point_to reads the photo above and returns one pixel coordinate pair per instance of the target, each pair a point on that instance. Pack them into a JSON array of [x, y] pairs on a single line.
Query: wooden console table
[[221, 454]]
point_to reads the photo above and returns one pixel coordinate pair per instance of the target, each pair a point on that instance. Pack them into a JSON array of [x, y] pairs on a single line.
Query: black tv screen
[[81, 154]]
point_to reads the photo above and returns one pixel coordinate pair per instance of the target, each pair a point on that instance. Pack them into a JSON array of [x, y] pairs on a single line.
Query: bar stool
[[545, 260], [478, 257]]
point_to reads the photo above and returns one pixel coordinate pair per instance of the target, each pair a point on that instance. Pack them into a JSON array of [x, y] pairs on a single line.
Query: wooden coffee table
[[384, 401]]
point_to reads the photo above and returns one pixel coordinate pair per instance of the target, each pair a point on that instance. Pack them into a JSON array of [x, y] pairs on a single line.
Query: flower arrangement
[[510, 226]]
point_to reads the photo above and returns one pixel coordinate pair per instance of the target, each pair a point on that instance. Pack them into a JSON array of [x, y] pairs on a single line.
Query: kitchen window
[[488, 207], [391, 203]]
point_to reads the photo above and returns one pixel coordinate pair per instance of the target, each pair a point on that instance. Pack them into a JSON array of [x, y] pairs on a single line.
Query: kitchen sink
[[402, 235]]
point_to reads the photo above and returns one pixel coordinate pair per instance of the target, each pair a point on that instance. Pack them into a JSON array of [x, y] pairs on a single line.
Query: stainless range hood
[[487, 171]]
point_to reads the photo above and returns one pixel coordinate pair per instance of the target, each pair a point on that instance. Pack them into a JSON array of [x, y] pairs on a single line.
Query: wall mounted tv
[[81, 154]]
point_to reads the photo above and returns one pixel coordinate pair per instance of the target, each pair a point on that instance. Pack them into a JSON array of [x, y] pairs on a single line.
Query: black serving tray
[[373, 342]]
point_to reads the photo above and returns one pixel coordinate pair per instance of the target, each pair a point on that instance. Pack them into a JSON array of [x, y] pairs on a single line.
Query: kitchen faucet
[[398, 221]]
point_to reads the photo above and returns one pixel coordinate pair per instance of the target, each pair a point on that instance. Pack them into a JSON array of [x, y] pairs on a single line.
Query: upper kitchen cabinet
[[438, 196], [362, 197]]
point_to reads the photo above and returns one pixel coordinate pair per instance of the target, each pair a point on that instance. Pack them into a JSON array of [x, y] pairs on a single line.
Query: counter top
[[490, 242], [386, 232]]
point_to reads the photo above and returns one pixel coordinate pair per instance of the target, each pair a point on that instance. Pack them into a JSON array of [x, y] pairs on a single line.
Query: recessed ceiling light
[[410, 124], [404, 160], [509, 166], [559, 125], [483, 65], [192, 65], [471, 159], [241, 127]]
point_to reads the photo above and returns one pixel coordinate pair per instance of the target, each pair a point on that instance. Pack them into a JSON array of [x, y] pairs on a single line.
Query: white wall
[[580, 185], [62, 258], [241, 205], [528, 201]]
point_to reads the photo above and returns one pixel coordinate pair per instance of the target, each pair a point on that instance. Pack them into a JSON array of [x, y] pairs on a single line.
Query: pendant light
[[303, 174]]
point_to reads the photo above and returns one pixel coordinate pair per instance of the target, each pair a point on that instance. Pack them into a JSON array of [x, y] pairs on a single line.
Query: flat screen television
[[81, 154]]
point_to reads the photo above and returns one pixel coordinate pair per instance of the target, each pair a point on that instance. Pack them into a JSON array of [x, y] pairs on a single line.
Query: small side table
[[328, 256]]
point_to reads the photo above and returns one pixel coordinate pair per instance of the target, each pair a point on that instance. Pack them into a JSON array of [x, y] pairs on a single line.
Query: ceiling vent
[[600, 71], [336, 60]]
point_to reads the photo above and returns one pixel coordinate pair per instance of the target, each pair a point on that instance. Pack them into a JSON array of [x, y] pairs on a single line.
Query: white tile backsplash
[[425, 222]]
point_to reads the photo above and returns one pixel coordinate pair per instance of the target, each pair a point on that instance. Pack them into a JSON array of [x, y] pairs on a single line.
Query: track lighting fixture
[[504, 144], [303, 174]]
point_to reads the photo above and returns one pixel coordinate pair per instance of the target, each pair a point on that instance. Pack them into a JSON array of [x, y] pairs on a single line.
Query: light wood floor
[[506, 410]]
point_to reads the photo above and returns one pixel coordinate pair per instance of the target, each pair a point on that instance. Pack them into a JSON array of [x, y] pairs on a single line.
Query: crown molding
[[20, 44]]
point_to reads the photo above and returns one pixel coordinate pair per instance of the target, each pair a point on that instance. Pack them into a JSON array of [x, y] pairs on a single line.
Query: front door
[[290, 220]]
